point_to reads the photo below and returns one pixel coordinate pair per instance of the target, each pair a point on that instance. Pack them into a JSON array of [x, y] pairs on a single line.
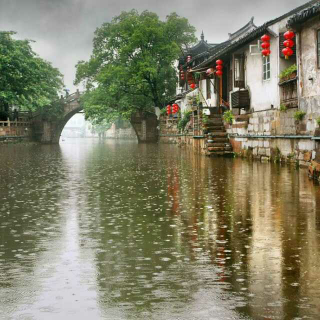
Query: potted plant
[[288, 73], [228, 117]]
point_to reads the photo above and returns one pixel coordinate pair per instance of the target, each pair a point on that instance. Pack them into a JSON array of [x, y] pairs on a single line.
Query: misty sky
[[63, 29]]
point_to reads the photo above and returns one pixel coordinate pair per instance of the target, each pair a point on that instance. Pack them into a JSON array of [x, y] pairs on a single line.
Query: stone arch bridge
[[49, 131]]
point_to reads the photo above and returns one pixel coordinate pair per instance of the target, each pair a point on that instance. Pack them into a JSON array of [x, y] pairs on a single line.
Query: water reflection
[[117, 230]]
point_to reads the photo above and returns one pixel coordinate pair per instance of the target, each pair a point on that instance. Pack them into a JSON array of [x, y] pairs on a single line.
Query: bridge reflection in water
[[118, 230]]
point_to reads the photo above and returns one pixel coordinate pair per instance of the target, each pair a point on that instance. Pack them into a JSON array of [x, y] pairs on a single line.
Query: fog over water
[[63, 29]]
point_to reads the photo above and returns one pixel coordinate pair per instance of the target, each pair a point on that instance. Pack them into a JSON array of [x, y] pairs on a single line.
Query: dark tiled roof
[[245, 28], [237, 44], [207, 53], [258, 32], [304, 15], [201, 45]]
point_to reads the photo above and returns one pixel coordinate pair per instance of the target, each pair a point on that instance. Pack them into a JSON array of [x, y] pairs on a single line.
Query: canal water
[[116, 230]]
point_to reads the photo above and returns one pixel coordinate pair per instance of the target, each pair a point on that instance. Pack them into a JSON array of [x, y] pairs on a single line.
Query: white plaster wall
[[212, 102], [265, 94], [308, 60]]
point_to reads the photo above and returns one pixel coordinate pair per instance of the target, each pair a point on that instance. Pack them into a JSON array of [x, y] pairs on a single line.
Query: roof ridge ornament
[[202, 36]]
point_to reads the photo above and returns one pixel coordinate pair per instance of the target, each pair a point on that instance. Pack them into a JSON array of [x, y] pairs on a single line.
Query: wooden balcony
[[289, 94], [240, 99]]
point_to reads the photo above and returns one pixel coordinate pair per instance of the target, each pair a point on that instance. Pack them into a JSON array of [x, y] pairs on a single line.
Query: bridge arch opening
[[78, 127], [144, 124]]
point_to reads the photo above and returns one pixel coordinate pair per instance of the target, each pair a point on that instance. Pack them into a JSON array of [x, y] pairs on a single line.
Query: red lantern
[[219, 67], [287, 52], [265, 52], [175, 108], [265, 45], [169, 109], [289, 35], [288, 43], [265, 38], [192, 85]]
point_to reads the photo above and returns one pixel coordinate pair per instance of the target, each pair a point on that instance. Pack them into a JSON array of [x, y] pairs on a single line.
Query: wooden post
[[220, 90]]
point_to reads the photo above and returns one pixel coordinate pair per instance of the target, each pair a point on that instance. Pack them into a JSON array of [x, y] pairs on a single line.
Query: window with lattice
[[239, 71], [266, 67]]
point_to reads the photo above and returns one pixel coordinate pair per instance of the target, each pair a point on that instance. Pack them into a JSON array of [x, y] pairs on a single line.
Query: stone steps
[[215, 121], [218, 134], [213, 127], [217, 142]]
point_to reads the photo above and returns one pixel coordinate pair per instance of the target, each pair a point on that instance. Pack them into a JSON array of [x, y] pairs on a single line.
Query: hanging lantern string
[[265, 45], [219, 67], [288, 43]]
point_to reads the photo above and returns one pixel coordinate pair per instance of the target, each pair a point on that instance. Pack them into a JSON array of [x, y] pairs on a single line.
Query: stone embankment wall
[[169, 133], [275, 135], [15, 132]]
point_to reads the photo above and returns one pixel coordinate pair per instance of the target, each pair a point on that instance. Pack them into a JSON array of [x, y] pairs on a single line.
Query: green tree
[[132, 65], [26, 80]]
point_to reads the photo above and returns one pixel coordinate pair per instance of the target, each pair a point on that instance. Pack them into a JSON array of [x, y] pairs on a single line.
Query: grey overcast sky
[[63, 29]]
